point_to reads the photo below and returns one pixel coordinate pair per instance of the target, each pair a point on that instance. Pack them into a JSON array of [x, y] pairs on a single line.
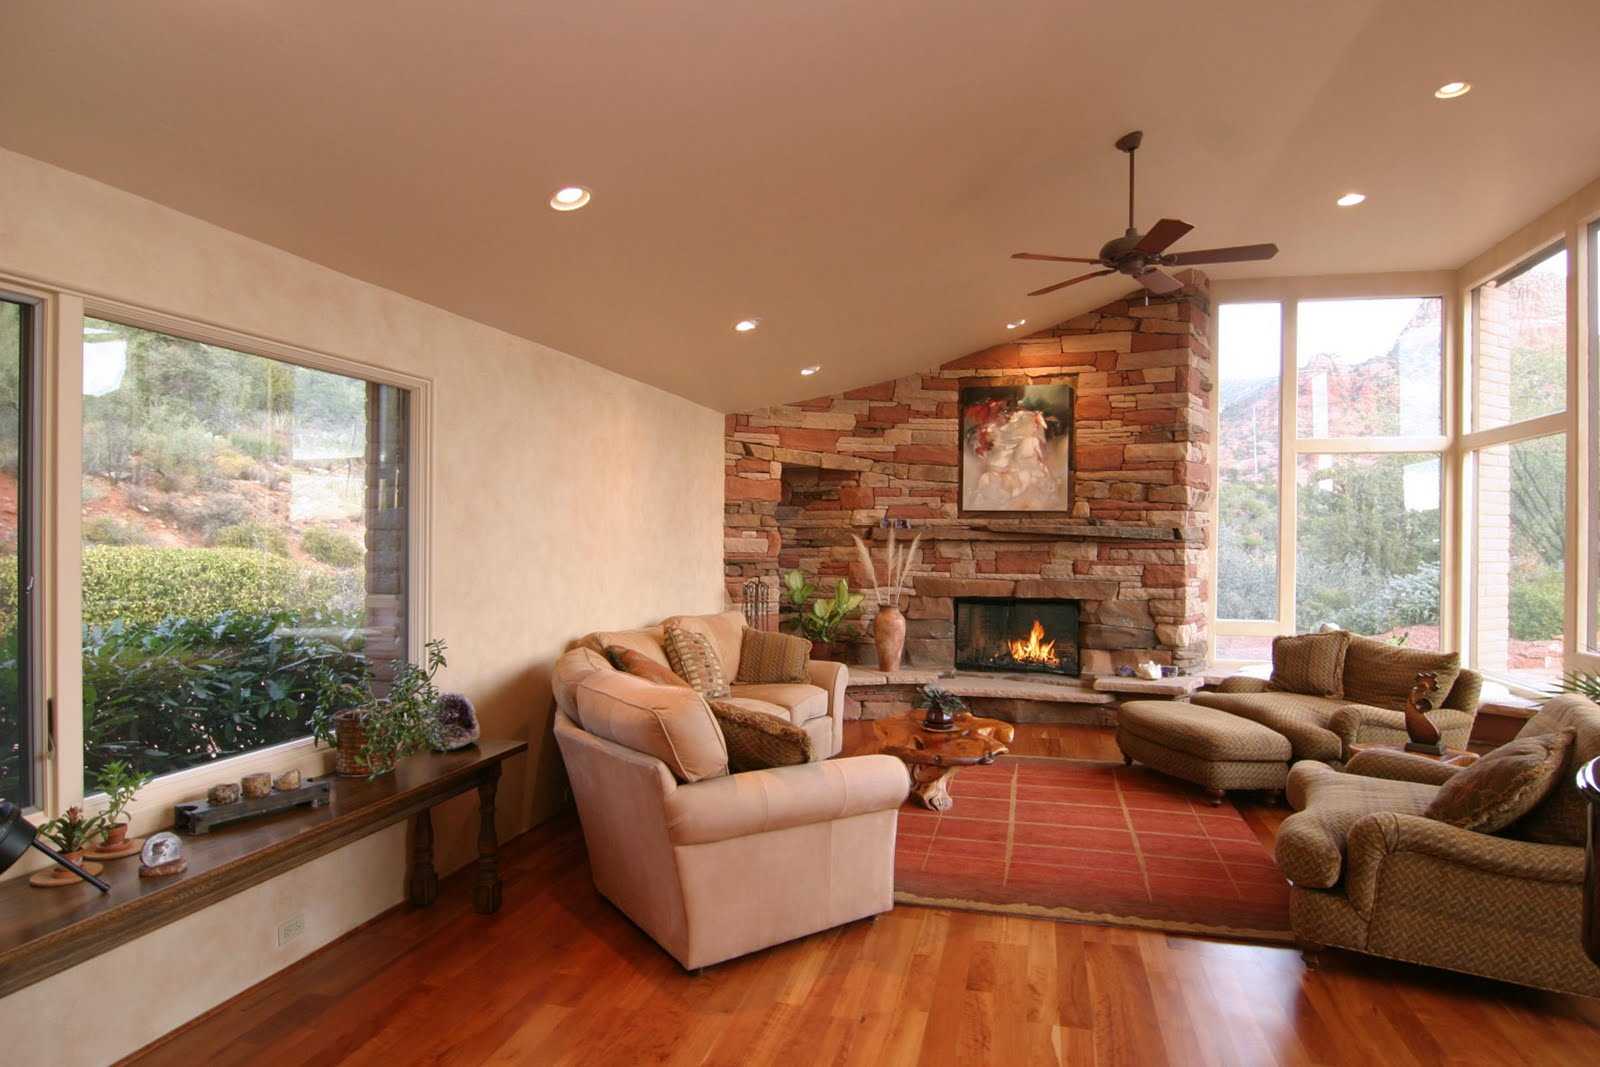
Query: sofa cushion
[[1310, 849], [1381, 674], [799, 703], [630, 661], [671, 723], [1503, 786], [766, 657], [696, 662], [1301, 718], [1312, 664], [725, 631], [1563, 817], [648, 642], [757, 740]]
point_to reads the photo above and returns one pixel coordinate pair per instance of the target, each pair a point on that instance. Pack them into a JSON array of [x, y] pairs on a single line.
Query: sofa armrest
[[1244, 683], [1400, 766], [755, 802], [1375, 838], [1363, 724], [832, 677]]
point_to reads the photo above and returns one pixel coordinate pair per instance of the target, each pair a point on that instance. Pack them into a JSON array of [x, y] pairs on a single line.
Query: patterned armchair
[[1369, 872]]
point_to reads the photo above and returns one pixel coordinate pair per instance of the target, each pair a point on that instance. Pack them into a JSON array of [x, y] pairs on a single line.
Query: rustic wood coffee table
[[933, 756]]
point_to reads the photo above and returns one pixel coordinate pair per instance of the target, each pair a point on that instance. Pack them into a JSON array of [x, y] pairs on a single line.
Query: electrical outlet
[[290, 929]]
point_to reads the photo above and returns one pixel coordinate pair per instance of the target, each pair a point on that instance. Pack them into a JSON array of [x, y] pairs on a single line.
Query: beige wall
[[565, 498]]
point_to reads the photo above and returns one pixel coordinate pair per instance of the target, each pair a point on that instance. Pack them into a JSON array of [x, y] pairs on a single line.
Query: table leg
[[486, 893], [931, 787], [424, 887]]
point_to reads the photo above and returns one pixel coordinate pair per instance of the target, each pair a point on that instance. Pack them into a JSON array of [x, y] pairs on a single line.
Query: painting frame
[[986, 409]]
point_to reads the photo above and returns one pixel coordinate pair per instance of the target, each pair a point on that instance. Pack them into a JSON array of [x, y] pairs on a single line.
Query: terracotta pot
[[350, 729], [115, 837], [828, 650], [889, 635], [74, 857]]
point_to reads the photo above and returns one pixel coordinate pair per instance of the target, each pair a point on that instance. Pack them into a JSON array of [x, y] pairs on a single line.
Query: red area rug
[[1091, 842]]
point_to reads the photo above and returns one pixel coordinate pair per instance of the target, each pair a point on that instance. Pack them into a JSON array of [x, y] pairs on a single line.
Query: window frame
[[37, 735], [1289, 293], [58, 679]]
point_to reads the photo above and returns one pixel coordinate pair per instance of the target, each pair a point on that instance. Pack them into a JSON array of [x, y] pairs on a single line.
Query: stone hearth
[[801, 477]]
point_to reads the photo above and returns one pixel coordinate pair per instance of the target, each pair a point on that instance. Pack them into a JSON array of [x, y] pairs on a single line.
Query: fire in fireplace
[[1006, 634]]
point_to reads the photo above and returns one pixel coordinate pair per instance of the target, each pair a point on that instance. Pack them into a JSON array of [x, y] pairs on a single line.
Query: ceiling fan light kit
[[1141, 256]]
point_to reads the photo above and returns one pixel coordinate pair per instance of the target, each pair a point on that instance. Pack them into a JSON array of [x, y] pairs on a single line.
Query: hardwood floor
[[559, 977]]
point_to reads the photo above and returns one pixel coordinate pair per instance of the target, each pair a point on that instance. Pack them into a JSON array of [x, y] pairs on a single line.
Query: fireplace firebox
[[1008, 634]]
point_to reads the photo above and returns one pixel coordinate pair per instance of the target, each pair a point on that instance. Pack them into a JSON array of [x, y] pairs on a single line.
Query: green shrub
[[110, 530], [232, 465], [146, 585], [1538, 600], [256, 535], [182, 454], [332, 547], [206, 515], [255, 445]]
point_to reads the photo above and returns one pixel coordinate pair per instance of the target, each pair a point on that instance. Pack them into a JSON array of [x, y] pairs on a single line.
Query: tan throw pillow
[[1563, 818], [767, 658], [1381, 674], [757, 740], [634, 662], [1503, 786], [695, 661], [1312, 664]]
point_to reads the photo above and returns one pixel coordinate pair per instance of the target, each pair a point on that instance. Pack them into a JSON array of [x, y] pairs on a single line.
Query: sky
[[1354, 331]]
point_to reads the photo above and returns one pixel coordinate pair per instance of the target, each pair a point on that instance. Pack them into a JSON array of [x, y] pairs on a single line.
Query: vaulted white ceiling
[[854, 173]]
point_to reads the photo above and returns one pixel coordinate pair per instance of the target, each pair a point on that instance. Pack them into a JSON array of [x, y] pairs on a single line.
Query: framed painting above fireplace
[[1016, 449]]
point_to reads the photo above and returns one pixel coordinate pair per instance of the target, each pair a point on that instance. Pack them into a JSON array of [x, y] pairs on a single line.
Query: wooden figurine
[[1422, 733]]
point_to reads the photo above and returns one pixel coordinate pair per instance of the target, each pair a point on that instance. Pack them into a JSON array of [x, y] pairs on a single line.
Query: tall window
[[1519, 396], [243, 536], [1591, 630], [19, 733], [1362, 516]]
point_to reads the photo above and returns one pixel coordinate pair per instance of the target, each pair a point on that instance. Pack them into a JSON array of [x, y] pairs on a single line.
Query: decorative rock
[[286, 781], [223, 793], [256, 785]]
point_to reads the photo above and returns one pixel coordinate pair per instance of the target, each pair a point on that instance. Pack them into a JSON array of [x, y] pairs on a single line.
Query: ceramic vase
[[889, 634]]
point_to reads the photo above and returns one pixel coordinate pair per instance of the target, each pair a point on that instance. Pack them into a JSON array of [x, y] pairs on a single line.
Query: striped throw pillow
[[695, 661]]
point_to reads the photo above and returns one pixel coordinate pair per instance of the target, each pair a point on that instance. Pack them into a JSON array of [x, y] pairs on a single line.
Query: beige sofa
[[713, 865], [1371, 873]]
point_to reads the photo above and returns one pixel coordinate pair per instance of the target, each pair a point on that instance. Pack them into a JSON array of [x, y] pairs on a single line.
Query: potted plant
[[119, 782], [940, 707], [73, 832], [371, 733], [822, 621]]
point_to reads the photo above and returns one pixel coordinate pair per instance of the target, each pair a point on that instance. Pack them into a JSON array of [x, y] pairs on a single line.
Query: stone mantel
[[1020, 530]]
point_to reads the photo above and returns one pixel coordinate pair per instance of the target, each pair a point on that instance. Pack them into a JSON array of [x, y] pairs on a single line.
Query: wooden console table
[[44, 931]]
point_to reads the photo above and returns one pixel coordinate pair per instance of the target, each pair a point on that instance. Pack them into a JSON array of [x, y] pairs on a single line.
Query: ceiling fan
[[1140, 256]]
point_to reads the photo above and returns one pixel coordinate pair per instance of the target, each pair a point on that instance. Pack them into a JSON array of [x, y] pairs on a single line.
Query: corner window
[[21, 738], [244, 531]]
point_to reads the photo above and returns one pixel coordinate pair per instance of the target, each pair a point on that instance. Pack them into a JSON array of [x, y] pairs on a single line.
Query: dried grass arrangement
[[899, 566]]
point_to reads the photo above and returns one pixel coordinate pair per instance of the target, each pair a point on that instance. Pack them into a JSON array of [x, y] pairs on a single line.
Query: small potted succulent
[[73, 832], [119, 782], [940, 707], [370, 733]]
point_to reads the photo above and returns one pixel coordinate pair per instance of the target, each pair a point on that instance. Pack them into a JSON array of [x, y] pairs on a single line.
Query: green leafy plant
[[1581, 682], [256, 535], [119, 782], [74, 831], [825, 621], [332, 547], [798, 588], [937, 698], [397, 725]]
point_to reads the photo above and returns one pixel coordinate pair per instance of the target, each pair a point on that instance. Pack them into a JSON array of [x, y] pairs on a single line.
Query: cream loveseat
[[713, 865]]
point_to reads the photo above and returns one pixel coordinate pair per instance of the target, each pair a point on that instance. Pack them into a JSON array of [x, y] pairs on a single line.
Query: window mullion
[[61, 507], [1288, 455]]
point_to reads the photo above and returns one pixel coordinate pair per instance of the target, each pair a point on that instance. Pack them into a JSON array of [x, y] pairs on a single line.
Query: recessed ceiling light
[[1451, 90], [1350, 199], [746, 325], [809, 371], [1014, 325], [570, 198]]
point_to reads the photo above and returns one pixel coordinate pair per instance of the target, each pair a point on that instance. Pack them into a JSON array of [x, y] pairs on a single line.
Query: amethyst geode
[[458, 721]]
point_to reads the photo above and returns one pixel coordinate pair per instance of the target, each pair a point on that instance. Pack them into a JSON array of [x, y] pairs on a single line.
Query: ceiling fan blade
[[1163, 234], [1159, 283], [1070, 281], [1233, 254], [1051, 259]]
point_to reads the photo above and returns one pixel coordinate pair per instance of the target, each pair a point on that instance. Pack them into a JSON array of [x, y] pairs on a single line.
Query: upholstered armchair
[[1370, 872]]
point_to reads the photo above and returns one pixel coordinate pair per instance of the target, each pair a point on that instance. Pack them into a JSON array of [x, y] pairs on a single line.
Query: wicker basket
[[350, 728]]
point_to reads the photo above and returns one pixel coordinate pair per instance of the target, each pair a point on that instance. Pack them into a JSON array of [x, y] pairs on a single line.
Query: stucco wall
[[565, 498]]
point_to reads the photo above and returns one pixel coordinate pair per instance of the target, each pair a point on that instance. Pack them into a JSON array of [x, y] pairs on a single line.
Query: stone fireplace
[[1011, 635], [1129, 557]]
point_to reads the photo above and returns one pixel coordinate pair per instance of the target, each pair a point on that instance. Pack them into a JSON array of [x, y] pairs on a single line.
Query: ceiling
[[855, 174]]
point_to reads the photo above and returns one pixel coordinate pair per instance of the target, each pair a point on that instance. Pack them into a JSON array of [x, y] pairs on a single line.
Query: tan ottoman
[[1208, 747]]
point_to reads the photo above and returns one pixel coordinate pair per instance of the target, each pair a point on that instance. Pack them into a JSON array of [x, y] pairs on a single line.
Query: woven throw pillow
[[1503, 786], [1563, 818], [767, 658], [695, 661], [757, 740], [1381, 674], [632, 661], [1312, 664]]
